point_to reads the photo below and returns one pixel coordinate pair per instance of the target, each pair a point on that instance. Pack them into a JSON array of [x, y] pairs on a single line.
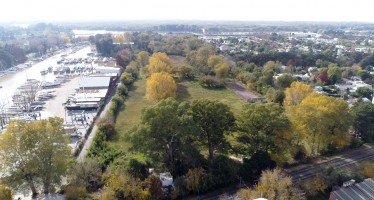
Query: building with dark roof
[[359, 191]]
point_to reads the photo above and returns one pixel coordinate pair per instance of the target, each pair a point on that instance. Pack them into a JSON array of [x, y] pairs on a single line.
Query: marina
[[70, 90]]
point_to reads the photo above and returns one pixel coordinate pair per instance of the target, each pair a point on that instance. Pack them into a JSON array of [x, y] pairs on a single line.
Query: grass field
[[186, 91]]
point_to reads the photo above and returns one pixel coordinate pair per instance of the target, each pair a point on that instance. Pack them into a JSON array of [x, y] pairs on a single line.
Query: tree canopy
[[34, 154], [160, 86]]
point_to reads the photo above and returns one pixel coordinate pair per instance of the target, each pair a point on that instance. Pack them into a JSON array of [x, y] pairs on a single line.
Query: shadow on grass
[[182, 93]]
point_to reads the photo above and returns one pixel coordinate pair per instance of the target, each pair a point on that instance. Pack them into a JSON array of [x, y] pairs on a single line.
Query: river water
[[11, 82]]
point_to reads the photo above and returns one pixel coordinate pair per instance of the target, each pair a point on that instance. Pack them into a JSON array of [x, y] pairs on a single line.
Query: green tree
[[363, 121], [34, 152], [263, 127], [364, 92], [86, 174], [284, 81], [163, 130], [142, 58], [213, 120]]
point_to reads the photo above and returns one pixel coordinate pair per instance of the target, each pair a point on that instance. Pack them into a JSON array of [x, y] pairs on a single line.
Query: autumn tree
[[221, 70], [213, 121], [296, 93], [273, 185], [194, 179], [324, 121], [34, 152], [160, 86], [324, 77], [159, 62], [123, 57], [163, 130], [5, 193]]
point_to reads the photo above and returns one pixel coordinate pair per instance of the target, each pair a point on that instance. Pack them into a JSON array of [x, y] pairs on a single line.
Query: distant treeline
[[11, 55]]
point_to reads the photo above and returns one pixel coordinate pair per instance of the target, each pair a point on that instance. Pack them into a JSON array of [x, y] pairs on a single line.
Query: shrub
[[211, 82], [122, 90], [127, 79], [75, 193]]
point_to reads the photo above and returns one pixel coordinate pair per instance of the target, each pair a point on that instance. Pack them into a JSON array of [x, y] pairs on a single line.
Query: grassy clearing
[[187, 91], [191, 90], [130, 115]]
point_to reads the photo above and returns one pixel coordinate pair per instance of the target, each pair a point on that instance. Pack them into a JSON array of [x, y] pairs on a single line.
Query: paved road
[[241, 91], [91, 135]]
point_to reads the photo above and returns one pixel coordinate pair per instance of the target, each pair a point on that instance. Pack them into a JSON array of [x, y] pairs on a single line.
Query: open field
[[187, 91]]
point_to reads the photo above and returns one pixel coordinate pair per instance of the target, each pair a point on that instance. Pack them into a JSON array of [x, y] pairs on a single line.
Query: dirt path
[[241, 91]]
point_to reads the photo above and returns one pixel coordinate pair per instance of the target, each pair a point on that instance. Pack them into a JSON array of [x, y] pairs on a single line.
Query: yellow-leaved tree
[[296, 93], [160, 86], [159, 62], [323, 121]]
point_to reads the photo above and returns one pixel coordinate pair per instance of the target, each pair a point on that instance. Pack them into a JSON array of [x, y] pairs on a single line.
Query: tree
[[159, 62], [142, 58], [162, 131], [86, 174], [160, 86], [323, 120], [273, 185], [5, 193], [364, 74], [213, 121], [194, 179], [34, 152], [123, 57], [296, 93], [127, 79], [363, 121], [275, 96], [284, 81], [221, 70], [263, 127], [364, 92], [324, 77], [335, 74]]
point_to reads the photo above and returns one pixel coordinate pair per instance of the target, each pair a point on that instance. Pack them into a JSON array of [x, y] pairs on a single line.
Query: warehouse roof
[[94, 82], [363, 190]]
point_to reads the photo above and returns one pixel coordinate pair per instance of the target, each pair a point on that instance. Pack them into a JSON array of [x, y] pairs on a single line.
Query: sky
[[227, 10]]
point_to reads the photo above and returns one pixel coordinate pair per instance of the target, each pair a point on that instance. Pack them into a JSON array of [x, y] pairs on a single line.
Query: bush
[[211, 82], [107, 126], [122, 90], [75, 193], [127, 79]]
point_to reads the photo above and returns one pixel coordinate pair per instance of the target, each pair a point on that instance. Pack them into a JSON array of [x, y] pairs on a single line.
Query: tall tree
[[363, 121], [34, 152], [142, 58], [159, 62], [163, 131], [325, 121], [160, 86], [123, 57], [264, 127], [296, 93], [213, 121]]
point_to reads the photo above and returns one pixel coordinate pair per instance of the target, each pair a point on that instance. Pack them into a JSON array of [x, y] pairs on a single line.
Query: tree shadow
[[182, 93]]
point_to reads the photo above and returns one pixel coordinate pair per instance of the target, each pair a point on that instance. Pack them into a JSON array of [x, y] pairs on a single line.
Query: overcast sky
[[243, 10]]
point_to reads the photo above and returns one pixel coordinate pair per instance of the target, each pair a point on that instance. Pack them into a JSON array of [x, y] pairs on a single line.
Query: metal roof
[[94, 82], [363, 190]]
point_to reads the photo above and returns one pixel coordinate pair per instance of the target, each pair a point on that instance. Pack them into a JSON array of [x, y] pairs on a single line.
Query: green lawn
[[186, 91]]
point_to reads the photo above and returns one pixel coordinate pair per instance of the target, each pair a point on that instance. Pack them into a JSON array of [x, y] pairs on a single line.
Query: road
[[91, 135], [345, 160]]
